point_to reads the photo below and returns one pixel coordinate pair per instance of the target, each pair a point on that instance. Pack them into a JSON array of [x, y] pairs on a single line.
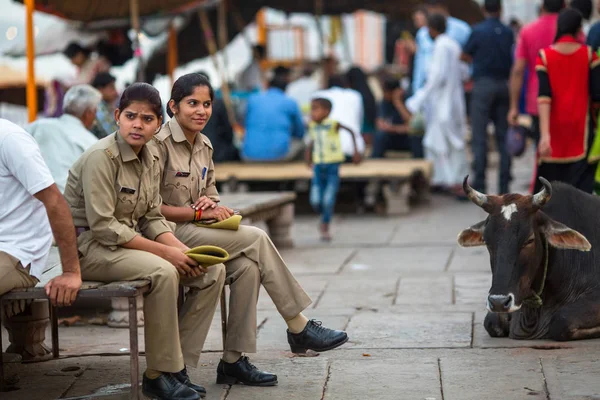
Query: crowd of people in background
[[463, 84]]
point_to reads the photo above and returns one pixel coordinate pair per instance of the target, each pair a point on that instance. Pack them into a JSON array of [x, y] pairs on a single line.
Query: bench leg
[[133, 348], [54, 330], [397, 198], [224, 316], [280, 227]]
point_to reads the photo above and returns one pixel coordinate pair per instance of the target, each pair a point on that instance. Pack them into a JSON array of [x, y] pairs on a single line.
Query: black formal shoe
[[183, 377], [167, 387], [242, 371], [315, 337]]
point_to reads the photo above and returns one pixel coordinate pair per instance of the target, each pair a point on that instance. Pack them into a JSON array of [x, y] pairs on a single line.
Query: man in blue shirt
[[456, 29], [490, 50], [274, 126]]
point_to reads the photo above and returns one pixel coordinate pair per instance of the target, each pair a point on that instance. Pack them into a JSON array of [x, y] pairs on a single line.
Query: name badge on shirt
[[127, 190], [182, 174]]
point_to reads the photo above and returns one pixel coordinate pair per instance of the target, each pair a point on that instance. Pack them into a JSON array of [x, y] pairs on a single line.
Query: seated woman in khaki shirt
[[189, 193], [113, 193]]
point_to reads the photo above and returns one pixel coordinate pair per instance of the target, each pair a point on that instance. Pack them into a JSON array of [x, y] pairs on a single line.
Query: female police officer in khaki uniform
[[113, 192], [189, 194]]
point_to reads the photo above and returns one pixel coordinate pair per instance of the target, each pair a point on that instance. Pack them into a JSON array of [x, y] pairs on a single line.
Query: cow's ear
[[563, 237], [472, 236]]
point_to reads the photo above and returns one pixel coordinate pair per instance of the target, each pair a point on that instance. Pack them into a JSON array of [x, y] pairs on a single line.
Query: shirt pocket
[[124, 209], [177, 187]]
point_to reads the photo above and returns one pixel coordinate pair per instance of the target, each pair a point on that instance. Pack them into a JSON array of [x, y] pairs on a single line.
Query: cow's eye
[[529, 241]]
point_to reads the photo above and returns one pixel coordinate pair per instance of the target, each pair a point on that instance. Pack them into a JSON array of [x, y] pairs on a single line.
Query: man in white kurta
[[63, 140], [444, 140]]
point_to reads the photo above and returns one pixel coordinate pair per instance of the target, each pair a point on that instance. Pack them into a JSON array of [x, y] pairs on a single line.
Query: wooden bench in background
[[404, 181]]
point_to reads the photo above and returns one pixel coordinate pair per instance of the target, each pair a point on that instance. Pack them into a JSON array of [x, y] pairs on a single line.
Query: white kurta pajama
[[443, 101]]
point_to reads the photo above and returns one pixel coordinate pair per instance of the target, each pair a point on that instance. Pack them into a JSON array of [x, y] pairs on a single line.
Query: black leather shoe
[[315, 337], [167, 387], [242, 371], [183, 377]]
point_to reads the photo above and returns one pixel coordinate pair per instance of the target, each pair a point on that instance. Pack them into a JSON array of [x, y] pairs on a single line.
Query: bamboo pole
[[212, 48], [223, 33], [134, 16], [31, 89], [317, 16], [172, 52]]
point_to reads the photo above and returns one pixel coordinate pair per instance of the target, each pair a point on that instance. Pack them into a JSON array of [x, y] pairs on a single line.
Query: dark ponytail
[[185, 85], [569, 23]]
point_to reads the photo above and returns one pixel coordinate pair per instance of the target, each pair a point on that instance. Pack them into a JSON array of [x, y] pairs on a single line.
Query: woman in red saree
[[569, 85]]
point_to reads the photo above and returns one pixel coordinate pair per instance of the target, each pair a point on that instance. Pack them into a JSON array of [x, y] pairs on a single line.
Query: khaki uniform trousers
[[13, 276], [171, 340], [253, 260]]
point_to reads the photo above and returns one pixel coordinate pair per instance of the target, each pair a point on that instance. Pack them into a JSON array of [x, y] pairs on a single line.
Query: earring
[[118, 123]]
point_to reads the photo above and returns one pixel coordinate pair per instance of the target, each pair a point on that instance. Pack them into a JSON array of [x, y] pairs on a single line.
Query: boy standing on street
[[324, 153]]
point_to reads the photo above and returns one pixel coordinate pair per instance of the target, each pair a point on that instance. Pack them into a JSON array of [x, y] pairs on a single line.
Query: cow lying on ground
[[545, 259]]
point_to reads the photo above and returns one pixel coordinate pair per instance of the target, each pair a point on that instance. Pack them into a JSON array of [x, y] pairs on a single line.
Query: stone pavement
[[411, 301]]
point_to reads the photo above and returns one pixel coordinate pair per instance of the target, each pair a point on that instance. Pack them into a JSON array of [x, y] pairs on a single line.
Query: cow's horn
[[476, 197], [541, 198]]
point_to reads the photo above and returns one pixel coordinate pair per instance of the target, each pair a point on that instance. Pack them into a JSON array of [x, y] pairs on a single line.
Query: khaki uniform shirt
[[187, 171], [115, 194]]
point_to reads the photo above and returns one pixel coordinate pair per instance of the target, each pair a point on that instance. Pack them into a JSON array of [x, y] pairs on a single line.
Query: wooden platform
[[368, 169], [402, 182]]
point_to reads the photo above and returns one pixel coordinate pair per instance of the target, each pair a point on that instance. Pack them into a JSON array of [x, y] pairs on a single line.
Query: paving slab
[[472, 259], [573, 376], [384, 379], [415, 291], [315, 261], [410, 330], [299, 378], [356, 291], [391, 260], [492, 376], [472, 288]]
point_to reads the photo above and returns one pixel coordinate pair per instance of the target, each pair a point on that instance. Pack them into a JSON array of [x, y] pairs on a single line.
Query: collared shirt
[[347, 110], [105, 123], [187, 171], [272, 120], [24, 227], [62, 141], [327, 148], [456, 29], [491, 46], [115, 193]]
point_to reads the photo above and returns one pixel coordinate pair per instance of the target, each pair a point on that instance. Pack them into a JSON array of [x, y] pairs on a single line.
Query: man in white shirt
[[347, 110], [63, 140], [31, 210], [302, 89]]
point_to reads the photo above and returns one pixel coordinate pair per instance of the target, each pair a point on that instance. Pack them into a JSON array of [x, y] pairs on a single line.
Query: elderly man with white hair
[[62, 140]]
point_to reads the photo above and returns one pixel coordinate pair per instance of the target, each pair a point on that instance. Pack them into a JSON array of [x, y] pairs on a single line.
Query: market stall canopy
[[467, 10], [98, 10], [192, 46]]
